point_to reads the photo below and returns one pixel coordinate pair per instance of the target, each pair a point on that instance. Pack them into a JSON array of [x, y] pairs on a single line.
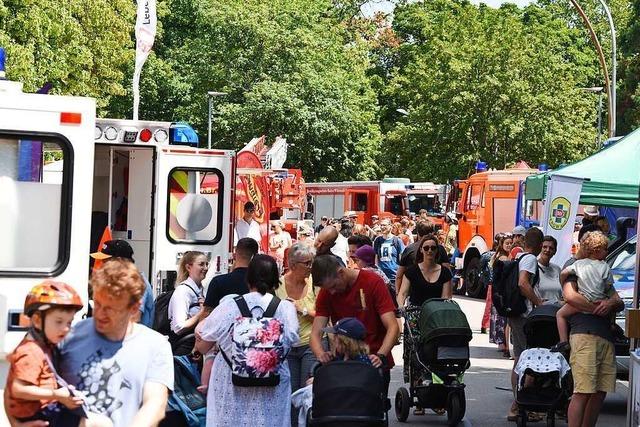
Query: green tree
[[621, 12], [500, 85], [79, 47], [629, 93], [288, 69]]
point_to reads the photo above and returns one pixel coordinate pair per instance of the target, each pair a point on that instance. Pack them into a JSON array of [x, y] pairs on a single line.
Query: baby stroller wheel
[[521, 421], [456, 407], [402, 404], [551, 419]]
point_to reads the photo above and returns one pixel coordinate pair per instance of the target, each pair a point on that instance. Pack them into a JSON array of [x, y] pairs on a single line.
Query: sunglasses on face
[[428, 248]]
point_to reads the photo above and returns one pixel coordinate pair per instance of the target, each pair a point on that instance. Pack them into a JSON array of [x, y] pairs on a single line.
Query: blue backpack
[[186, 399]]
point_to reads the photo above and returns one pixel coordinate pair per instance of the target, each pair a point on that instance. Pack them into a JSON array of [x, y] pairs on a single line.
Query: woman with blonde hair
[[185, 306]]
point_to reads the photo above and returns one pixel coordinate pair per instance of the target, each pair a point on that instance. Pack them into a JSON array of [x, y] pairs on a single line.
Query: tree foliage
[[499, 85], [287, 69], [79, 47], [629, 94]]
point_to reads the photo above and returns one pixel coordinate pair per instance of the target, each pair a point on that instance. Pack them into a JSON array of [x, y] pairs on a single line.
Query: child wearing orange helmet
[[35, 391]]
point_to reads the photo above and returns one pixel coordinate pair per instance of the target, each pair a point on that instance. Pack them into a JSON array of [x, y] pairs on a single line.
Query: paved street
[[487, 380]]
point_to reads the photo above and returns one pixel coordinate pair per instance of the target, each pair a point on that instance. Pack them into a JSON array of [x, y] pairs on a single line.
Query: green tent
[[612, 175]]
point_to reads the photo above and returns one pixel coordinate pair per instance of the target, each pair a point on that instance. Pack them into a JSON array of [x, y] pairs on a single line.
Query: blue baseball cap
[[350, 327]]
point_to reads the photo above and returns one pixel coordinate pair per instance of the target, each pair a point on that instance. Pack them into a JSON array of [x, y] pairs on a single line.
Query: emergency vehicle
[[276, 192], [65, 175], [430, 197], [386, 199], [485, 204]]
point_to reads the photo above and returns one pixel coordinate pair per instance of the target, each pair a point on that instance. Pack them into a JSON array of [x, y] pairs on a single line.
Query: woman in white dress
[[230, 405]]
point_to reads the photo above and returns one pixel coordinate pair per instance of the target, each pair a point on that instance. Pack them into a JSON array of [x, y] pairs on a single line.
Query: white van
[[65, 176]]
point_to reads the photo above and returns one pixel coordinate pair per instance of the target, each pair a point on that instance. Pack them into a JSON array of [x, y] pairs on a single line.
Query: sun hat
[[591, 210]]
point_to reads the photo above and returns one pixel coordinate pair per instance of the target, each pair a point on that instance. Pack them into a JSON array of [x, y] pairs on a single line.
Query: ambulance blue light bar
[[182, 134]]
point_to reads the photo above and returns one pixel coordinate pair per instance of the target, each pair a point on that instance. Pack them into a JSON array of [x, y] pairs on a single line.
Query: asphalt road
[[488, 385]]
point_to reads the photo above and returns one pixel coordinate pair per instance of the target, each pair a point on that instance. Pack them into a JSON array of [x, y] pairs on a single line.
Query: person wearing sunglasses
[[296, 287], [424, 280], [427, 278], [247, 226]]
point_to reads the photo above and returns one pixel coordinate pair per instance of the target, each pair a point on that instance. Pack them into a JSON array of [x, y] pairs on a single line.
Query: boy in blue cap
[[347, 340]]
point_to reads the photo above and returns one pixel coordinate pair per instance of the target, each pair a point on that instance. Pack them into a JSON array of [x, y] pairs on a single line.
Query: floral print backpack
[[257, 349]]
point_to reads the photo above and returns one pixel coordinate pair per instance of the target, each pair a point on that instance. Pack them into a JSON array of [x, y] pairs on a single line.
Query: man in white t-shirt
[[247, 226], [341, 246], [528, 279]]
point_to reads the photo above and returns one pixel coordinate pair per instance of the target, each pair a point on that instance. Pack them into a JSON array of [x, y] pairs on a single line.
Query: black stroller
[[348, 394], [538, 390], [439, 358]]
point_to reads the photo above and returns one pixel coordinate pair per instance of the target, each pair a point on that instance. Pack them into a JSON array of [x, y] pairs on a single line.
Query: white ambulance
[[65, 176]]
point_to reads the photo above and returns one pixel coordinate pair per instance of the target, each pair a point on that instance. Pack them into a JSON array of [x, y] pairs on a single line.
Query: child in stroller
[[348, 391], [438, 359], [544, 380]]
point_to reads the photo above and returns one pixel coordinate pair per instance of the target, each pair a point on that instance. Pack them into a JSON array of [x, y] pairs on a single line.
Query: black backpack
[[161, 321], [506, 295], [486, 269]]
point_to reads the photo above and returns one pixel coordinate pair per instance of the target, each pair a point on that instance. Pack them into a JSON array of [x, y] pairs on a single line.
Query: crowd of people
[[584, 288], [256, 333]]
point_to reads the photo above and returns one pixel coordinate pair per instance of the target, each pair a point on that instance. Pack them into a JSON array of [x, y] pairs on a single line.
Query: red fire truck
[[386, 198]]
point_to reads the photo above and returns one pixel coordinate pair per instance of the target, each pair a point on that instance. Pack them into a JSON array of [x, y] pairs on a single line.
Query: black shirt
[[421, 290], [226, 284], [408, 257], [582, 323]]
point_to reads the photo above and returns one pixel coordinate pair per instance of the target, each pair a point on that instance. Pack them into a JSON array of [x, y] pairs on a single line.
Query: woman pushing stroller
[[425, 280]]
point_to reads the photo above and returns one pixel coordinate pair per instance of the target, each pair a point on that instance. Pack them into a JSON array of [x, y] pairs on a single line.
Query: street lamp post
[[614, 61], [599, 90], [211, 95], [603, 63]]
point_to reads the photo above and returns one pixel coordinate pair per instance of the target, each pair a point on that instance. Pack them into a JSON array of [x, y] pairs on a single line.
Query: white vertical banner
[[560, 209], [145, 36]]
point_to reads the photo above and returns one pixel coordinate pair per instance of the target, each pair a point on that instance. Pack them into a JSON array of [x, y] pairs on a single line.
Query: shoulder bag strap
[[226, 358], [58, 378], [192, 290], [195, 304], [272, 307], [242, 306]]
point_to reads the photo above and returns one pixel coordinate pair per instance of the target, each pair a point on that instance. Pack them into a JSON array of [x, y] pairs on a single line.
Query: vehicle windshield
[[623, 267], [394, 204], [429, 202]]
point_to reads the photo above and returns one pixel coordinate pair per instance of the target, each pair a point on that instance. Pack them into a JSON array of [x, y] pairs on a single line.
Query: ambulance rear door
[[46, 162], [194, 195]]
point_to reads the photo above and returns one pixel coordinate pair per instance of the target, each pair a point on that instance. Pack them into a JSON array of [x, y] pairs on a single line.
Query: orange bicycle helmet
[[50, 294]]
